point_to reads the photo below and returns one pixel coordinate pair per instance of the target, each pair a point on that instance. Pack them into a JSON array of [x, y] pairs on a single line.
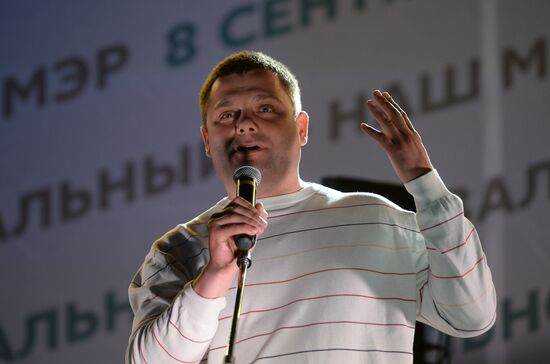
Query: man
[[336, 277]]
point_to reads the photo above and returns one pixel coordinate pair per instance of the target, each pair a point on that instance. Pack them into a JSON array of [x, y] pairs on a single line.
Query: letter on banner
[[496, 197], [532, 179], [537, 55], [12, 89], [113, 309], [157, 178], [452, 95], [227, 25], [109, 60], [273, 14], [185, 165], [5, 350], [337, 116], [41, 197], [126, 184], [79, 325], [309, 5], [74, 71], [74, 204], [50, 320], [530, 313], [3, 235]]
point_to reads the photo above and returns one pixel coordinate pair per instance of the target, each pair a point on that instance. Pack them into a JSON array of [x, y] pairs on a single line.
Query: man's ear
[[204, 134], [302, 123]]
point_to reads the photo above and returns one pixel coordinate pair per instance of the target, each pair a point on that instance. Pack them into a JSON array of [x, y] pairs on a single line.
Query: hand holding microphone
[[240, 219], [234, 229]]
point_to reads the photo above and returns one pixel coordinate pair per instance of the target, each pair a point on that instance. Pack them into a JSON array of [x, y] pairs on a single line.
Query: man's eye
[[266, 108], [227, 115]]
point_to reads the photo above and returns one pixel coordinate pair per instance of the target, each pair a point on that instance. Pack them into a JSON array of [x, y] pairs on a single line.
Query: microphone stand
[[244, 262]]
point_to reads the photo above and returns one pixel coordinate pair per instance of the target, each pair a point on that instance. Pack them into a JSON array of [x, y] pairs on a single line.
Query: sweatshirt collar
[[280, 202]]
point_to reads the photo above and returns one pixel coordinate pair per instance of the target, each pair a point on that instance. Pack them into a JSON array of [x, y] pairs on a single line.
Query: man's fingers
[[373, 132], [380, 116], [236, 217], [242, 206], [229, 230], [263, 213], [403, 122], [248, 211], [241, 202], [392, 111], [240, 217], [223, 230]]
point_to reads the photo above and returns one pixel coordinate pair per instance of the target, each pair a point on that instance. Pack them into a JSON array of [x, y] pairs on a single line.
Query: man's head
[[252, 116], [245, 61]]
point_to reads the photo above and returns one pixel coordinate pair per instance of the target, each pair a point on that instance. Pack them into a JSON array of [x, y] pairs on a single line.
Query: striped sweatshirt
[[336, 278]]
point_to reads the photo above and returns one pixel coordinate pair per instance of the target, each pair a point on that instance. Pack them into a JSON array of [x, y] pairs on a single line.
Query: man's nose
[[245, 124]]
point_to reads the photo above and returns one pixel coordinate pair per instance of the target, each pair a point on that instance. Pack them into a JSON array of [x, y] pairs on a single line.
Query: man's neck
[[271, 190]]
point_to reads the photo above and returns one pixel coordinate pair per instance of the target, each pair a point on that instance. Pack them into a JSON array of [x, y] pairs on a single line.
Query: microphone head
[[248, 172]]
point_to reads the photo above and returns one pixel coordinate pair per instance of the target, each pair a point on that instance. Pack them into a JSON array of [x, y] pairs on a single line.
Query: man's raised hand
[[397, 136]]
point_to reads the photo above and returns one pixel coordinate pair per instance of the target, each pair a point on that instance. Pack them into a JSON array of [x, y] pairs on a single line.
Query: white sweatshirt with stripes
[[336, 278]]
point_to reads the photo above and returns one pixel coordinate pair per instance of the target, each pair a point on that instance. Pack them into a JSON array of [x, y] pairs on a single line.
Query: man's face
[[250, 121]]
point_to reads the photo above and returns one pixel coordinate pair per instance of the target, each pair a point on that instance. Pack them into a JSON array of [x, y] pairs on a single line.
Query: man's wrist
[[212, 282]]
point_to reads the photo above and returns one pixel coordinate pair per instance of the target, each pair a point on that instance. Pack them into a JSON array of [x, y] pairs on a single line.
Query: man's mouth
[[247, 148]]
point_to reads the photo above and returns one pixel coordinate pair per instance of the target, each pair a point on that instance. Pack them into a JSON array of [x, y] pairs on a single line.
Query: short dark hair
[[242, 62]]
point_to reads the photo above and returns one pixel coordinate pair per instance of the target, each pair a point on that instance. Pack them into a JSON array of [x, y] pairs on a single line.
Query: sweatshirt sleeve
[[172, 323], [455, 291]]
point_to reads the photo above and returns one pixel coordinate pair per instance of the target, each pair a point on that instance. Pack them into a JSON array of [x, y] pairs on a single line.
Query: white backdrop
[[100, 149]]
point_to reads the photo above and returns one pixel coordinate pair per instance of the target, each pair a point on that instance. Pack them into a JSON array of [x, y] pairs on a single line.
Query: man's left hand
[[398, 137]]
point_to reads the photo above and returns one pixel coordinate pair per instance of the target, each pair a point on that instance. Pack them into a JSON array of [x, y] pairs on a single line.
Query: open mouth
[[248, 148]]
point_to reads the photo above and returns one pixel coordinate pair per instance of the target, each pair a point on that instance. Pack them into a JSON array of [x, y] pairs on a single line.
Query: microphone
[[246, 178]]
